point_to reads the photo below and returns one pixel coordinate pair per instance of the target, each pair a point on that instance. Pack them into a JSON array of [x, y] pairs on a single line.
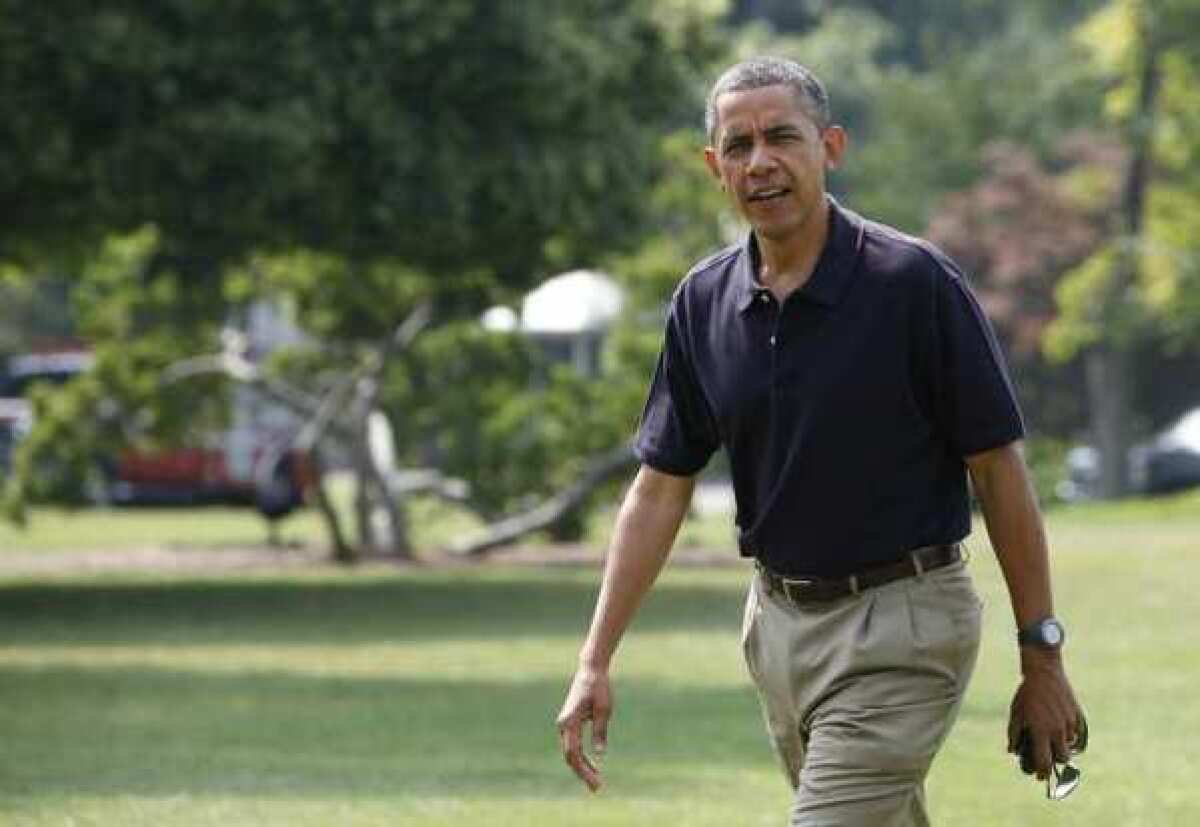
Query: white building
[[568, 315]]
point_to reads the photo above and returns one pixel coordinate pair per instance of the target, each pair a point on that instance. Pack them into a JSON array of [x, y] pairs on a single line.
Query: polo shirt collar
[[835, 267]]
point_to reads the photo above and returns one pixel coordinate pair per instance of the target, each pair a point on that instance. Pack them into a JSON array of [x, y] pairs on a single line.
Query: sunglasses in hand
[[1064, 776]]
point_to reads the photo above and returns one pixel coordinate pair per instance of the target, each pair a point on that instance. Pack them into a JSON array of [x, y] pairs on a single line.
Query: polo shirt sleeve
[[676, 435], [974, 399]]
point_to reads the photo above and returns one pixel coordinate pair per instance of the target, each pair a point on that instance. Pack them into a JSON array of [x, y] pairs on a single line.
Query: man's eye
[[736, 148]]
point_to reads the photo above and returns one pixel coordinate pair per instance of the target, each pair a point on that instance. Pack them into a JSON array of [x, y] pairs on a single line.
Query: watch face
[[1052, 633]]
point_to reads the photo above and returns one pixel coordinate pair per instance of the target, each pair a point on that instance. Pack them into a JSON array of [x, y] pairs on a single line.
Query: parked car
[[1172, 460], [249, 463], [1166, 463], [17, 375]]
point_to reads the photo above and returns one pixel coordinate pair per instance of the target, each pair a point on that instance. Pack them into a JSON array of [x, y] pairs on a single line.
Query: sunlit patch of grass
[[426, 697]]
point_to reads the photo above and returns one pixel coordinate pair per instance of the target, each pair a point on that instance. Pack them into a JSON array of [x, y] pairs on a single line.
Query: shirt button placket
[[773, 342]]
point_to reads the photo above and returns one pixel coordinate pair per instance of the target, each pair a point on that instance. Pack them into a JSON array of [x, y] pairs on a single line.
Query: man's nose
[[760, 159]]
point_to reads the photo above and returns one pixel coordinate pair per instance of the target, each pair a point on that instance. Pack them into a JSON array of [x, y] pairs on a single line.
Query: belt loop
[[854, 584], [917, 564], [767, 582]]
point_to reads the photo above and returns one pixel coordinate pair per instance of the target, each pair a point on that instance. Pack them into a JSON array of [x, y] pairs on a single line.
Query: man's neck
[[787, 264]]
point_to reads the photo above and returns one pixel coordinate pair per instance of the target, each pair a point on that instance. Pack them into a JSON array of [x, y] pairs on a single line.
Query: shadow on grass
[[416, 607], [147, 731]]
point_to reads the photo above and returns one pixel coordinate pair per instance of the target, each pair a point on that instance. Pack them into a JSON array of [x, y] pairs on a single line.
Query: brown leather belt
[[809, 590]]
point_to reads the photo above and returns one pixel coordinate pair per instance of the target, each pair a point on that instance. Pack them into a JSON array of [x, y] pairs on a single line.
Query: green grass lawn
[[427, 697], [52, 529]]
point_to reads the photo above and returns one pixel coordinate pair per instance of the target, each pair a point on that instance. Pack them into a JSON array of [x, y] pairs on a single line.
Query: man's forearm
[[646, 527], [1044, 714], [1015, 527]]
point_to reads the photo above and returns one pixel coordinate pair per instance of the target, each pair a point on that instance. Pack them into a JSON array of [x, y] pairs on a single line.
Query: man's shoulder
[[890, 252], [714, 266], [708, 275]]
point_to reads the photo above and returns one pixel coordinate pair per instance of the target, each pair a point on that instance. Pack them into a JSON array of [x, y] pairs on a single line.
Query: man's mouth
[[768, 194]]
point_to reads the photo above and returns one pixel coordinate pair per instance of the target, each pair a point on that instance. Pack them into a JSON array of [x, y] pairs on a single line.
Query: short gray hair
[[758, 72]]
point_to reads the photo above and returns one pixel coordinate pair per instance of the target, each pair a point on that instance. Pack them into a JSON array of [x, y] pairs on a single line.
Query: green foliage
[[343, 300], [1046, 459], [452, 134], [461, 399], [927, 130], [923, 87], [930, 29], [689, 218], [1096, 304], [1079, 326], [490, 408], [31, 309], [352, 160], [142, 311]]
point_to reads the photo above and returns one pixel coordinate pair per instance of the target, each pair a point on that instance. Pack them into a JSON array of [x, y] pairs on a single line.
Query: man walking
[[855, 384]]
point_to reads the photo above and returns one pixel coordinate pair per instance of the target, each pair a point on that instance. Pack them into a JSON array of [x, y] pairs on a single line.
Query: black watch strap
[[1047, 633]]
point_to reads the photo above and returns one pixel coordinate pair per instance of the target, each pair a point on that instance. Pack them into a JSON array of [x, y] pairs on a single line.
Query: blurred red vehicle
[[250, 463]]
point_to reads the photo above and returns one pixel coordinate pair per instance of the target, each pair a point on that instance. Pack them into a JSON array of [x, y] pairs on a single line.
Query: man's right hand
[[649, 518], [589, 699]]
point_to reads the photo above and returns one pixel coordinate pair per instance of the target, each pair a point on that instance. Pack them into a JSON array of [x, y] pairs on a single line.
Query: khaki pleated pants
[[859, 693]]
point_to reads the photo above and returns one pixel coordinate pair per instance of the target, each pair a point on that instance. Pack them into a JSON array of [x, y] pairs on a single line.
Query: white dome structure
[[499, 319], [581, 301]]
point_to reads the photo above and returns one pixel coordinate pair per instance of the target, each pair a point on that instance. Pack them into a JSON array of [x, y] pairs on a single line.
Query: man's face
[[771, 157]]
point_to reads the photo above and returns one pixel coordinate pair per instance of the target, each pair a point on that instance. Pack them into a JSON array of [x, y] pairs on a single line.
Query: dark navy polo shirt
[[846, 411]]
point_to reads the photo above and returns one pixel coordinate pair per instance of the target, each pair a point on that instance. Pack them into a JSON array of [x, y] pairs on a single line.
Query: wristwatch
[[1047, 633]]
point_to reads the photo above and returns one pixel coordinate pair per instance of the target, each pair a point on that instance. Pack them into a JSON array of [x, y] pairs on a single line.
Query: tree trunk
[[374, 484], [374, 499], [1108, 391], [362, 511], [1107, 364], [343, 552]]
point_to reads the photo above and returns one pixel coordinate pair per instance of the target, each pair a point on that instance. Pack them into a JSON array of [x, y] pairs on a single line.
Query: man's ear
[[710, 160], [835, 140]]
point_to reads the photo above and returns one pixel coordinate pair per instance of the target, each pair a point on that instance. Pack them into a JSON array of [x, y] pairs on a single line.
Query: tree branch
[[615, 463]]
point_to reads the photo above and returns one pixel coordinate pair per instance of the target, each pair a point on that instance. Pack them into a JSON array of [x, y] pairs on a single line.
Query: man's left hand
[[1045, 705]]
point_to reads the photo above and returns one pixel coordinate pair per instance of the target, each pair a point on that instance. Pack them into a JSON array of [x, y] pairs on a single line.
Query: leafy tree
[[1145, 279], [451, 134], [923, 87], [31, 310], [928, 129], [925, 31], [358, 158]]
